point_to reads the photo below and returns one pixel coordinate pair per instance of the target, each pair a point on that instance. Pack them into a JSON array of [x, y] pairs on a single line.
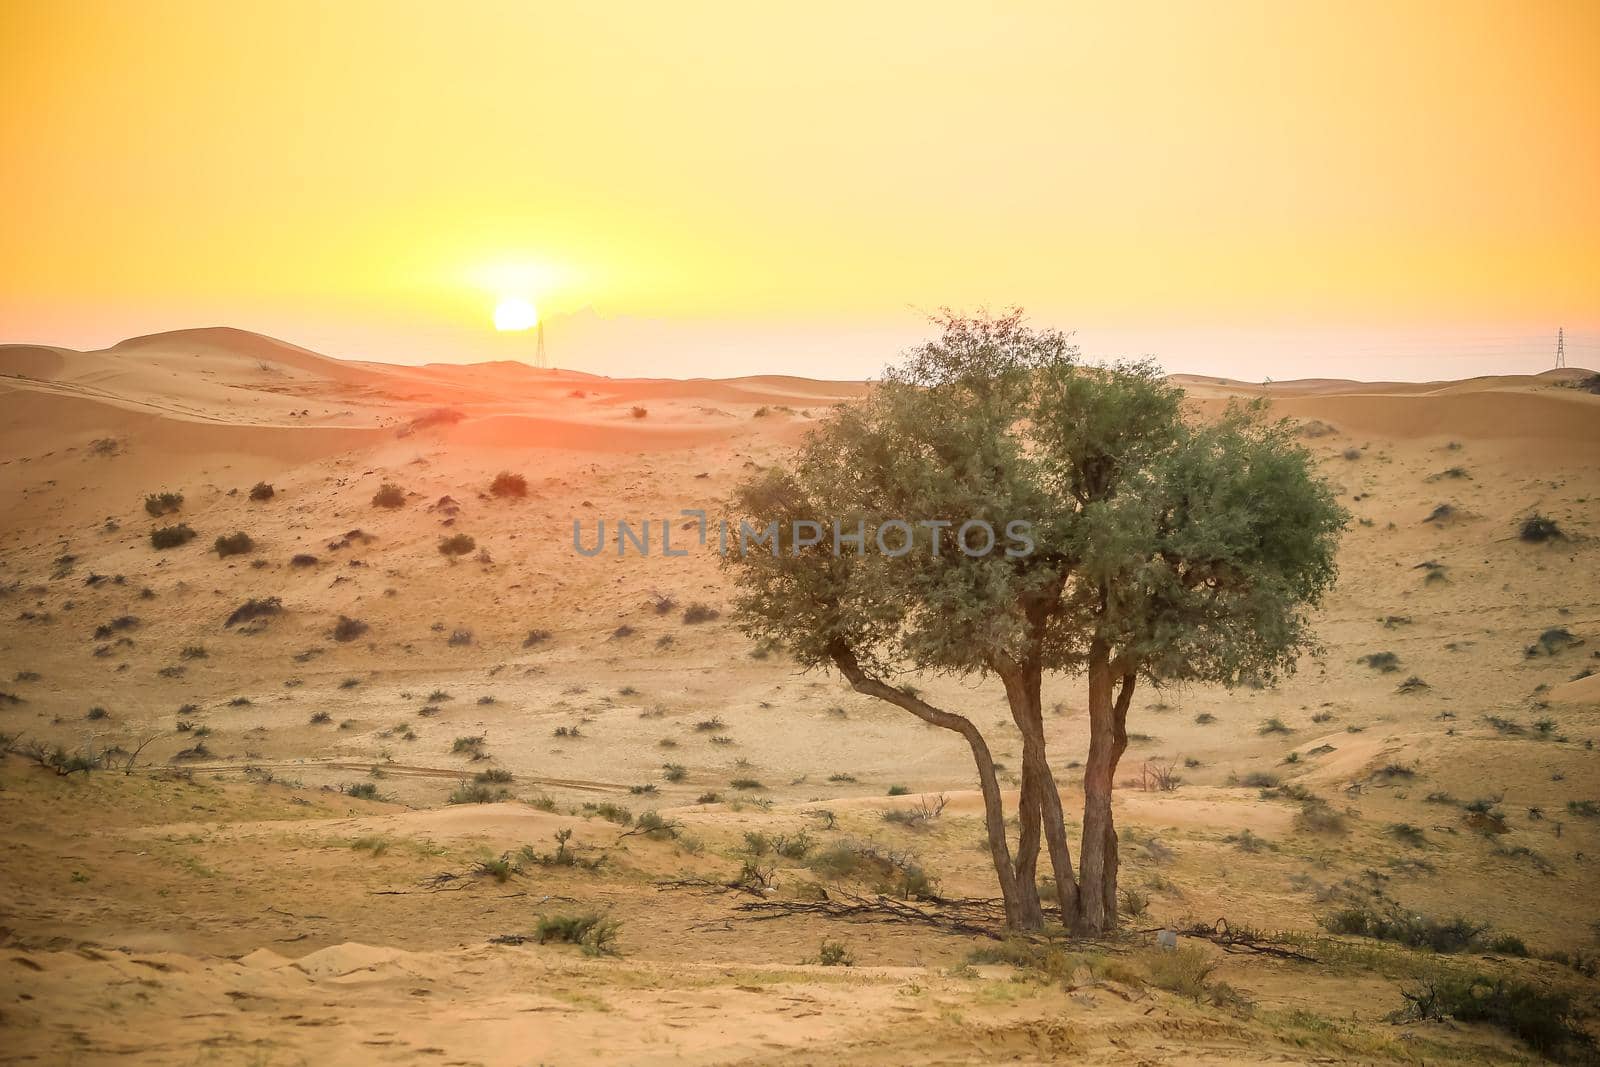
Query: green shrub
[[835, 954], [389, 495], [1545, 1019], [171, 536], [348, 629], [234, 544], [1537, 529], [1415, 931], [595, 934], [456, 545], [507, 484], [159, 504], [1387, 662]]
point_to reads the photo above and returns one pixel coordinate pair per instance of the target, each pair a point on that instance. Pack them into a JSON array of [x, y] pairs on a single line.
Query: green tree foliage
[[1164, 547]]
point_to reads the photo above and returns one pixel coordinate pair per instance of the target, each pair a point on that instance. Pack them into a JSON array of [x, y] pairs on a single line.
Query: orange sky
[[764, 184]]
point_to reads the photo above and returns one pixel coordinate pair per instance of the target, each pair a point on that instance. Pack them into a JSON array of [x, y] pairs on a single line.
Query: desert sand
[[232, 897]]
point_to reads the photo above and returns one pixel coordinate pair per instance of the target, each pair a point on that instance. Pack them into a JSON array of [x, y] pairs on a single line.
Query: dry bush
[[171, 536], [234, 544], [509, 484]]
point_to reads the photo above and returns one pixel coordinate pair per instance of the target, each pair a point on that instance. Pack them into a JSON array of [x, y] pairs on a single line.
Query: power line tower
[[1561, 347], [539, 359]]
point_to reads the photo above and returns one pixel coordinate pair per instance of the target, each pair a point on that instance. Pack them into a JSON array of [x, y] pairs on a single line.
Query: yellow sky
[[378, 168]]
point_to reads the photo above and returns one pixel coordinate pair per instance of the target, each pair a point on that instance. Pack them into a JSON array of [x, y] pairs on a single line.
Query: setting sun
[[513, 313]]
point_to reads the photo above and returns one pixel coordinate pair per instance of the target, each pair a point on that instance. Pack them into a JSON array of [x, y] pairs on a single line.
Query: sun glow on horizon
[[513, 313]]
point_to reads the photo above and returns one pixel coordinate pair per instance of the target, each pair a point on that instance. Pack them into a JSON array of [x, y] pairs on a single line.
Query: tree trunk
[[1021, 907], [1042, 796], [1028, 823], [1119, 745], [1099, 836]]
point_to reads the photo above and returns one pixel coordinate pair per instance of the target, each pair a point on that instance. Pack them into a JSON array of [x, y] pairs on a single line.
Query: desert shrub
[[638, 412], [712, 797], [468, 745], [262, 491], [493, 776], [708, 725], [1545, 1019], [302, 559], [1441, 514], [1408, 834], [255, 609], [1352, 453], [1584, 809], [674, 772], [898, 791], [746, 783], [1317, 816], [1260, 780], [1185, 970], [835, 954], [536, 637], [1391, 771], [613, 813], [1554, 640], [234, 544], [1133, 902], [1405, 928], [459, 638], [595, 934], [1412, 684], [698, 613], [171, 536], [1247, 841], [363, 790], [389, 495], [1274, 725], [320, 717], [159, 504], [655, 827], [348, 629], [457, 545], [467, 792], [508, 484], [1387, 662], [433, 417], [1536, 529]]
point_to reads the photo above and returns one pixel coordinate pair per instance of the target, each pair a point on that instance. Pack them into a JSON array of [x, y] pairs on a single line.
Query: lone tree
[[1156, 546]]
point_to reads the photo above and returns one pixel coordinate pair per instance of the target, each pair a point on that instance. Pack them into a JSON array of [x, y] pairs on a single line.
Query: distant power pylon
[[539, 359], [1561, 348]]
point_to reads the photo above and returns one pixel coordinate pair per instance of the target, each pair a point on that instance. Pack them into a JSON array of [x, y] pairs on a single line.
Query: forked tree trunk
[[1108, 738], [1021, 902]]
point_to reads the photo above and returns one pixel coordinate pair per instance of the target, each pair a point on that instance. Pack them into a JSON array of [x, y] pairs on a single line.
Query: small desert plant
[[389, 495], [234, 544], [254, 609], [457, 545], [1537, 529], [536, 637], [468, 745], [898, 791], [348, 629], [746, 783], [1412, 684], [638, 412], [595, 934], [674, 772], [613, 813], [163, 537], [159, 504], [509, 484], [697, 613], [262, 491], [1387, 662], [835, 954], [476, 793], [1274, 725], [1185, 970], [363, 790], [1133, 902], [302, 559], [320, 717]]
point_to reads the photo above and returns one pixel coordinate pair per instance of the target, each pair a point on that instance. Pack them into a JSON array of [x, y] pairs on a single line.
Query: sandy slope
[[221, 914]]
